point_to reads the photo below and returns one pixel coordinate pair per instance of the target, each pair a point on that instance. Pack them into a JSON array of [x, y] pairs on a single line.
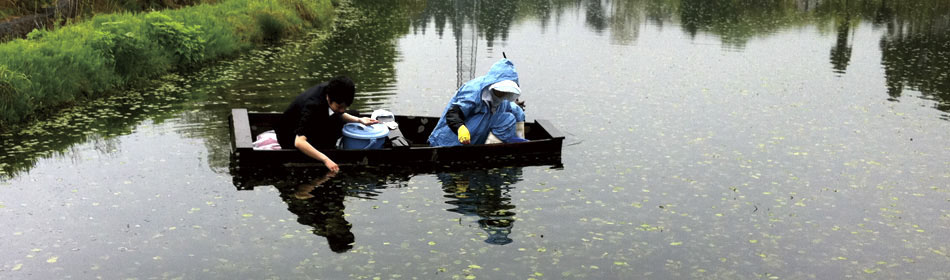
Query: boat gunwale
[[544, 150], [243, 117]]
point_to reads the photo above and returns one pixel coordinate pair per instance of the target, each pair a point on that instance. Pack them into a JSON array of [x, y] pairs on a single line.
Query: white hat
[[508, 86]]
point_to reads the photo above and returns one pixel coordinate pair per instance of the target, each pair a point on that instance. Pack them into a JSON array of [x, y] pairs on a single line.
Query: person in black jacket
[[314, 121]]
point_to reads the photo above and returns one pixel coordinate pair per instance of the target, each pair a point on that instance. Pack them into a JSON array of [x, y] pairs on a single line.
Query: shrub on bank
[[88, 59]]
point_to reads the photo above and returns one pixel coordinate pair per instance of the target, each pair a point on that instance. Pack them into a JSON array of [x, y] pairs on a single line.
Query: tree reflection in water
[[484, 193], [841, 51]]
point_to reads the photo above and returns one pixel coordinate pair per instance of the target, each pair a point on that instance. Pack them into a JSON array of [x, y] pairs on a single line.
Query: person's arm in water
[[364, 121], [301, 144], [454, 119], [305, 125]]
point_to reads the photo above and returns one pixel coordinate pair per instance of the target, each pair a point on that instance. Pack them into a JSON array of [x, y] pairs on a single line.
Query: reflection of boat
[[317, 197], [542, 148], [368, 178]]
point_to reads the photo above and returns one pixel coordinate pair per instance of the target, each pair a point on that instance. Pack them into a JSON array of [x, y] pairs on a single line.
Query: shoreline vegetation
[[91, 59]]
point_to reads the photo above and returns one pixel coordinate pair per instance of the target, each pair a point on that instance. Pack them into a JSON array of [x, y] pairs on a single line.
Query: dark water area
[[705, 139]]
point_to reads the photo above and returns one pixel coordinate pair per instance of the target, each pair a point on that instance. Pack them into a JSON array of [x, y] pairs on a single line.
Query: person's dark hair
[[341, 90]]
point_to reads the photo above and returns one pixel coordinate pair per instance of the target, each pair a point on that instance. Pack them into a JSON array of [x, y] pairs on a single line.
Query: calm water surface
[[705, 139]]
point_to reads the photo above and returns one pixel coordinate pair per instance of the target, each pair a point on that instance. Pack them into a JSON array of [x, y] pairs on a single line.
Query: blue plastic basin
[[360, 137]]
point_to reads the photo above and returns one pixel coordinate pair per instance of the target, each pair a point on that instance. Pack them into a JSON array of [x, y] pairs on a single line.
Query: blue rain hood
[[477, 113]]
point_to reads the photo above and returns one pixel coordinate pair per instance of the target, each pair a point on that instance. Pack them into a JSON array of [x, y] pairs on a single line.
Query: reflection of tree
[[736, 22], [492, 19], [920, 62], [915, 51], [484, 193], [594, 13], [694, 15], [320, 206], [542, 11], [883, 14], [495, 19], [622, 18], [364, 48], [841, 51]]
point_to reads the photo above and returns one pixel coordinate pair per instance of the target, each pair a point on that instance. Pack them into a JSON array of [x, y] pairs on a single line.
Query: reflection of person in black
[[484, 193], [322, 208]]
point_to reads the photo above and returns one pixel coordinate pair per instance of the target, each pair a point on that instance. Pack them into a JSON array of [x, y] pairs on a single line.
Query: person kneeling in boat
[[314, 120], [483, 111]]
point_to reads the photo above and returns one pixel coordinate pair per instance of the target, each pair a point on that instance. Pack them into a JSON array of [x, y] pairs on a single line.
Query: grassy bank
[[92, 58]]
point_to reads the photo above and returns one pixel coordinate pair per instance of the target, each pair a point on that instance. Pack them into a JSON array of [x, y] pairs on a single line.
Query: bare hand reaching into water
[[332, 166]]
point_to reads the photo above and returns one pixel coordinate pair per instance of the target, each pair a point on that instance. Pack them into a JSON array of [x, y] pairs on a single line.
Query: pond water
[[705, 139]]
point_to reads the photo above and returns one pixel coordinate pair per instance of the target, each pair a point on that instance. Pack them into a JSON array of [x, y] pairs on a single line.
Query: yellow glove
[[464, 136]]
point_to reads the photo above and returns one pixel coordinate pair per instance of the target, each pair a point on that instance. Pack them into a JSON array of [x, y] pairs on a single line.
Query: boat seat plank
[[241, 129]]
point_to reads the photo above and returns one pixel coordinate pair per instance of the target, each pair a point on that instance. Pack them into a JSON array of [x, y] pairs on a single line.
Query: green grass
[[49, 69]]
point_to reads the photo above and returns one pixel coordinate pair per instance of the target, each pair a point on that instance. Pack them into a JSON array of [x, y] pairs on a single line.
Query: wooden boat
[[407, 148]]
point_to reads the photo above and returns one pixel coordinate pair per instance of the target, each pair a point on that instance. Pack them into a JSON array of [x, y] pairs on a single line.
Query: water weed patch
[[88, 59]]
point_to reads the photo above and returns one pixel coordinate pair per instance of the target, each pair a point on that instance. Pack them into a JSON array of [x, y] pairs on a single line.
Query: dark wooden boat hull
[[543, 147]]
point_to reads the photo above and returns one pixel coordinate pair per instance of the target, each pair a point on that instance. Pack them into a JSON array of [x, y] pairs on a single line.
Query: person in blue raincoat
[[483, 111]]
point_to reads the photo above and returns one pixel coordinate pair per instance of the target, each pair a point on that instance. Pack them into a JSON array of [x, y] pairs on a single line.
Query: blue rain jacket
[[477, 113]]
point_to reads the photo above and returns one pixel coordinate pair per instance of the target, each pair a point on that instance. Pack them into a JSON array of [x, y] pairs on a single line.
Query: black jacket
[[308, 116]]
